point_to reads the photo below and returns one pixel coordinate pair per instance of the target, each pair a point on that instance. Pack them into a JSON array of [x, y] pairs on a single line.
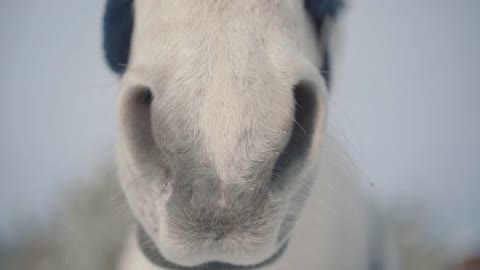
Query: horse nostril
[[145, 97], [136, 122], [306, 108]]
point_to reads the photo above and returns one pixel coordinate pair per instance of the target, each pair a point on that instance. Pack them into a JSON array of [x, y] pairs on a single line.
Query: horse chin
[[153, 254]]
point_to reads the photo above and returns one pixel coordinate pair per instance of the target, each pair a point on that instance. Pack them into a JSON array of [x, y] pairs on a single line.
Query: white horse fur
[[222, 137], [207, 106]]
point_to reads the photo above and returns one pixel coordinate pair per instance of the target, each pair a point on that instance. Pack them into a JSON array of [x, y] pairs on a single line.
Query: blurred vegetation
[[88, 233]]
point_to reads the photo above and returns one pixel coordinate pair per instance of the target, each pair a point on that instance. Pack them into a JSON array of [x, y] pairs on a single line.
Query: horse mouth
[[152, 253]]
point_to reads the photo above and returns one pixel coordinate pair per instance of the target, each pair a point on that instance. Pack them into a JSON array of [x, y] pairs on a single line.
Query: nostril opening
[[136, 123], [144, 97], [297, 148]]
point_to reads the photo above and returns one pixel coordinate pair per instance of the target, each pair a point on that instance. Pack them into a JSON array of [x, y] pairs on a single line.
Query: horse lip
[[152, 253]]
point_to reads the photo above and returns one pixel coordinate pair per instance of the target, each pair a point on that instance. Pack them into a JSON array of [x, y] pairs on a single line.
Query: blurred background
[[405, 104]]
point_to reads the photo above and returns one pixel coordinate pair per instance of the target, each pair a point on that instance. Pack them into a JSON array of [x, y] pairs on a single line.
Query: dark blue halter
[[118, 27], [117, 33]]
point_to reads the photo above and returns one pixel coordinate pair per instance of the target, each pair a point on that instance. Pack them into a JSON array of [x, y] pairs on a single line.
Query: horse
[[222, 136]]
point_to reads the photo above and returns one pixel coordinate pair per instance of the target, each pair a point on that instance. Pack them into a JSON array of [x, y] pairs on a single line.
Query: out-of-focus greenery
[[87, 235]]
